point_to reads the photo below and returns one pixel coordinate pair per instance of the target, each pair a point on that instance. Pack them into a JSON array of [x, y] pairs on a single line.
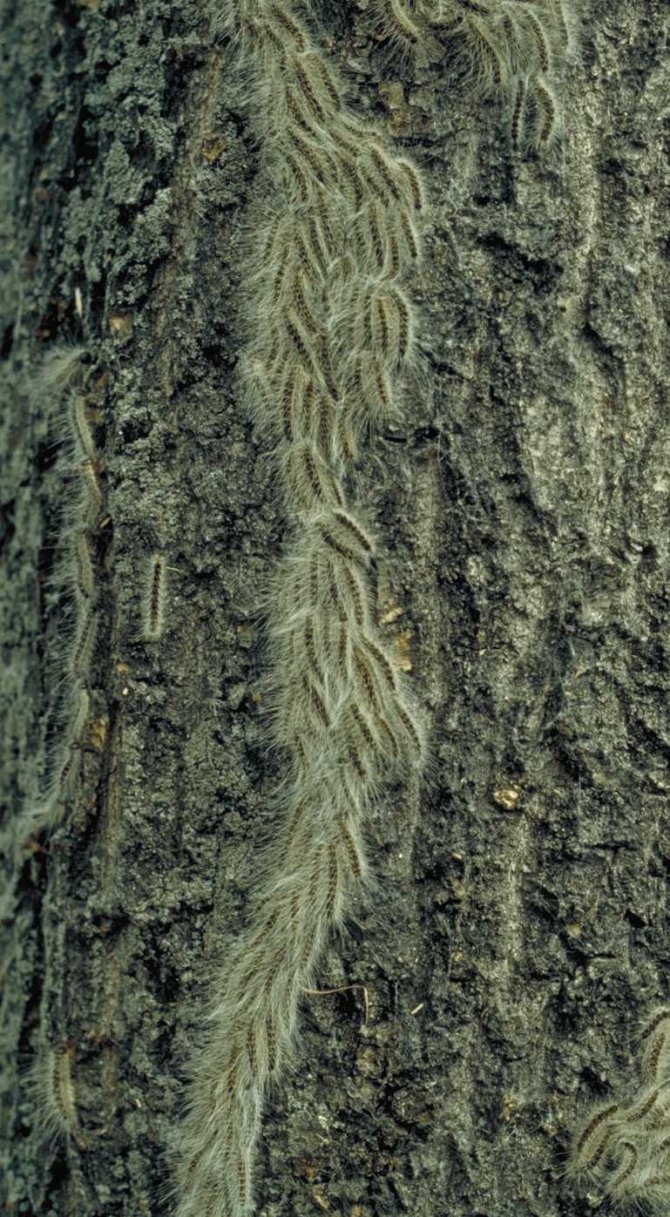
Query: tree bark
[[490, 988]]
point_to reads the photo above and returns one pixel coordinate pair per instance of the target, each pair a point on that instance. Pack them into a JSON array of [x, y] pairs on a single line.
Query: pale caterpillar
[[332, 328], [51, 1085], [154, 598], [61, 376], [623, 1147]]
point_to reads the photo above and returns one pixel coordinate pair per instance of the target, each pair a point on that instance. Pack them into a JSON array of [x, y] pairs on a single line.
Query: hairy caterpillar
[[153, 601], [332, 329]]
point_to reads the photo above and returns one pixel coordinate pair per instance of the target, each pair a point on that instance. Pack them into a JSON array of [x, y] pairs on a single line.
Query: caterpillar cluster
[[76, 577], [624, 1148], [501, 48], [333, 328]]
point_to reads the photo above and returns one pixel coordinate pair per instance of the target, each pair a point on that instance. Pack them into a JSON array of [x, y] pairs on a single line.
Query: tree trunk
[[489, 988]]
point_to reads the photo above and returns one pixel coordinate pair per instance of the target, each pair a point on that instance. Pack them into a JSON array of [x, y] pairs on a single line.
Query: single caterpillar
[[154, 599], [333, 328], [53, 1093]]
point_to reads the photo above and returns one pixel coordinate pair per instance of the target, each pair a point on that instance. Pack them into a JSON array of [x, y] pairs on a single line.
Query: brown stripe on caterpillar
[[393, 263], [318, 161], [311, 90], [509, 29], [347, 440], [264, 32], [541, 40], [277, 245], [367, 680], [319, 477], [516, 121], [314, 579], [252, 1051], [382, 327], [384, 169], [304, 342], [637, 1112], [563, 22], [400, 189], [333, 591], [659, 1016], [653, 1055], [299, 176], [322, 78], [326, 430], [342, 651], [384, 662], [363, 728], [298, 118], [357, 763], [357, 314], [356, 596], [289, 389], [387, 733], [339, 545], [316, 700], [243, 1181], [298, 295], [547, 105], [372, 383], [404, 321], [375, 227], [288, 26], [334, 889], [315, 242], [355, 530], [356, 862], [353, 187], [414, 183], [410, 235], [661, 1149], [327, 370]]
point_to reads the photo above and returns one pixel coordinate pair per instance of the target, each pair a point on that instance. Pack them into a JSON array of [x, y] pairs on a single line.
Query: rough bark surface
[[518, 931]]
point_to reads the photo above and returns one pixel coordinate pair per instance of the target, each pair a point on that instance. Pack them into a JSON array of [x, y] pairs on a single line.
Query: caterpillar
[[153, 601], [53, 1091], [332, 327]]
